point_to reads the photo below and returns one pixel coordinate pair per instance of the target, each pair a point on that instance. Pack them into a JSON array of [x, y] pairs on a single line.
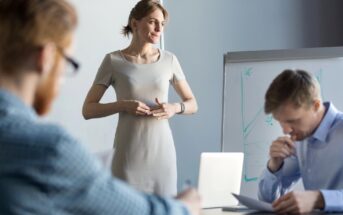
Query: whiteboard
[[247, 75]]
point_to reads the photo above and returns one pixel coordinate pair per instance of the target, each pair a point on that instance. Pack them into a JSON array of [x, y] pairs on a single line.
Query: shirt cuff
[[333, 200], [275, 175], [268, 185]]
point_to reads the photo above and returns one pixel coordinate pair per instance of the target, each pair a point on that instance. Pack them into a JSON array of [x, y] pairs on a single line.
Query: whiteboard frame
[[272, 55]]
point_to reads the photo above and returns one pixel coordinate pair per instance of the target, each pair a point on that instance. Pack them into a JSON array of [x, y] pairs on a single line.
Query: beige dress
[[144, 148]]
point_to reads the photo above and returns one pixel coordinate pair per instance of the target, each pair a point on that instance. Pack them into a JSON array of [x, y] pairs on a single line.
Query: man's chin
[[42, 107], [300, 138], [43, 101]]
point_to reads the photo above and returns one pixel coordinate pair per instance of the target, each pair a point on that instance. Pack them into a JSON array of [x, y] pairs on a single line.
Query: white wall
[[98, 33]]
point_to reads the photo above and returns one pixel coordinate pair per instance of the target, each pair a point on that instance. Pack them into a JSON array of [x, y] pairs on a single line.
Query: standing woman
[[140, 75]]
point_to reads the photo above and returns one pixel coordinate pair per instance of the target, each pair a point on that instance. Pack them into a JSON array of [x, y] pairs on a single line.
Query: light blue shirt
[[318, 161], [43, 170]]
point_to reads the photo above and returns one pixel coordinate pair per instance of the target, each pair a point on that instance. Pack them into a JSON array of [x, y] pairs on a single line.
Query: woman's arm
[[92, 108], [167, 110], [184, 91]]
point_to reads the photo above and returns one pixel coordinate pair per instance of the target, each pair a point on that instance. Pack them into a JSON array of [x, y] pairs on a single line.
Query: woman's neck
[[140, 50], [141, 53]]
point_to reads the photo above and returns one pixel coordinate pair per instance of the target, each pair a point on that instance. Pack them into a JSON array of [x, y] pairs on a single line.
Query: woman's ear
[[133, 24], [45, 58]]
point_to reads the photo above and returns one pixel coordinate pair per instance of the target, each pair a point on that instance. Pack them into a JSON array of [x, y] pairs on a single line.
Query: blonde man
[[311, 148]]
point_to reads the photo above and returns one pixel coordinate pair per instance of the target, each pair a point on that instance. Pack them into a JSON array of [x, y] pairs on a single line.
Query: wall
[[322, 22], [200, 32], [98, 33]]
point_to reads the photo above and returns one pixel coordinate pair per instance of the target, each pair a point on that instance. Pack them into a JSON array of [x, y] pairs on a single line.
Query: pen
[[187, 184]]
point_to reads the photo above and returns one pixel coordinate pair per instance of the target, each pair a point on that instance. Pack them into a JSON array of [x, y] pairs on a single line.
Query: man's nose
[[286, 128]]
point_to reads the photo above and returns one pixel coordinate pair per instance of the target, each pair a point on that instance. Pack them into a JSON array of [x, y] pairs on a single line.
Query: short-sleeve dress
[[145, 155]]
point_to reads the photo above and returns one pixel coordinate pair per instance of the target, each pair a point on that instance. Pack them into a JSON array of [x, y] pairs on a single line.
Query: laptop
[[220, 175]]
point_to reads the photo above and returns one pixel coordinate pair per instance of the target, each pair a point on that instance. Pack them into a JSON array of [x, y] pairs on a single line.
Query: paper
[[253, 203]]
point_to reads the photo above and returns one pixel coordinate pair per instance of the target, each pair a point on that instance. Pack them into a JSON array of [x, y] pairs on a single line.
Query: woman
[[140, 74]]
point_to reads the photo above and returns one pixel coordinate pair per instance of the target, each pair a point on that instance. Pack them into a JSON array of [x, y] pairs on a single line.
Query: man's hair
[[27, 25], [295, 86]]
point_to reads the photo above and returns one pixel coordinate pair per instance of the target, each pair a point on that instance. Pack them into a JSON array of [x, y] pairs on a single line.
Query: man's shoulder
[[36, 149], [335, 129], [54, 133], [33, 133], [338, 123], [333, 117]]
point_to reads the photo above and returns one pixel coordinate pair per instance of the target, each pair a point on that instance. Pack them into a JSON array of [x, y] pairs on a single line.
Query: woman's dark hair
[[141, 10]]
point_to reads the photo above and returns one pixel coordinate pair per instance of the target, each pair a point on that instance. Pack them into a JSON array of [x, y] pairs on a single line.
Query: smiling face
[[149, 28], [299, 122]]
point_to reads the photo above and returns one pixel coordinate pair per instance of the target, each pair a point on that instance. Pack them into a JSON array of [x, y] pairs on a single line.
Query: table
[[220, 212]]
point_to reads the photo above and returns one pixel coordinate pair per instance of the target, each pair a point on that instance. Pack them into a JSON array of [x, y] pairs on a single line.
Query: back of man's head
[[298, 87], [27, 25]]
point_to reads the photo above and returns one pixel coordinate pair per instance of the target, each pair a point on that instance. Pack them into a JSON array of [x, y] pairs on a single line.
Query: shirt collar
[[323, 129], [12, 104]]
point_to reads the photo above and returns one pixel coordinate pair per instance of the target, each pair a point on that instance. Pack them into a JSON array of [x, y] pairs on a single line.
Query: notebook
[[220, 175]]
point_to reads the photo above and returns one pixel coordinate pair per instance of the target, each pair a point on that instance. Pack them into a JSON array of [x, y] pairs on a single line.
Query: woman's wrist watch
[[182, 105]]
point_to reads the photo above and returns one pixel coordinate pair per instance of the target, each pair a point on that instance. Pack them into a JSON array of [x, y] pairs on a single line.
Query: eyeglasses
[[73, 66]]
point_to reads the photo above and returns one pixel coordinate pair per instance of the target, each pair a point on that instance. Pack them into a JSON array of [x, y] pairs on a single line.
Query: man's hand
[[191, 199], [280, 149], [299, 202]]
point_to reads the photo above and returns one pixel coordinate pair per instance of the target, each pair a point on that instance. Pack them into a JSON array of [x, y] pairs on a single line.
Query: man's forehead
[[287, 111]]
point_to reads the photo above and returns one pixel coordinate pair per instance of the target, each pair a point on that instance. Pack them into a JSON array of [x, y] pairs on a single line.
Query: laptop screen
[[220, 175]]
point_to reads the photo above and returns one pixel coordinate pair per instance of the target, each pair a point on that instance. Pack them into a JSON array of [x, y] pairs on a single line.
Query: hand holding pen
[[191, 198], [281, 148]]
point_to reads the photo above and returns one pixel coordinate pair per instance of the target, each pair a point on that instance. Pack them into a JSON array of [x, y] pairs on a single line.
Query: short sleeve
[[104, 75], [177, 71]]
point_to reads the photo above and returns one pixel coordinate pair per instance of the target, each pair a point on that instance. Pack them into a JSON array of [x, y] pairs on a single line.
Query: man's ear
[[316, 104], [45, 58]]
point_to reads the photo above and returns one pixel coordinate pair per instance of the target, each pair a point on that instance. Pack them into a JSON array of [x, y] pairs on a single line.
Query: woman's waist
[[126, 117]]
